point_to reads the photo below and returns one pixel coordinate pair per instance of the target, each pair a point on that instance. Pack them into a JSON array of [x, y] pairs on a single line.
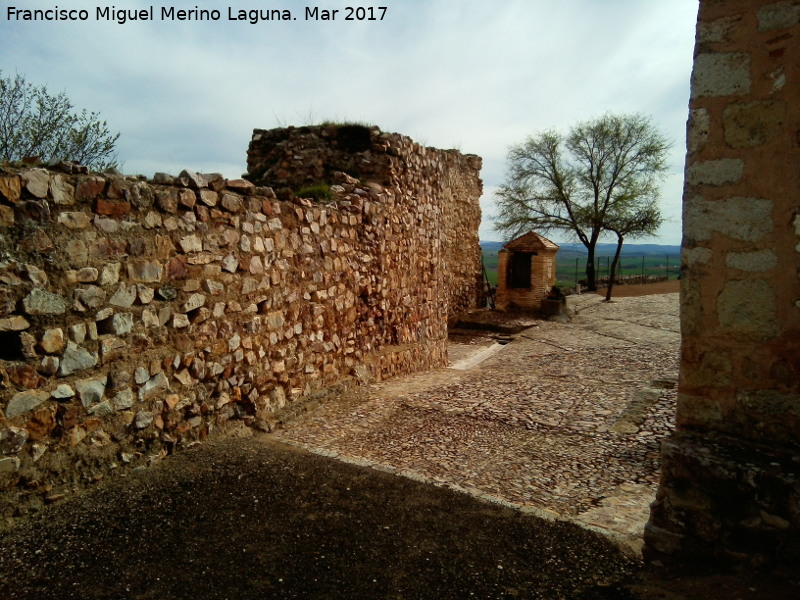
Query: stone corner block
[[721, 74]]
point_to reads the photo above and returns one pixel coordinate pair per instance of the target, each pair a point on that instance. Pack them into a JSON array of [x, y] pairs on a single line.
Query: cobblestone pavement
[[564, 421]]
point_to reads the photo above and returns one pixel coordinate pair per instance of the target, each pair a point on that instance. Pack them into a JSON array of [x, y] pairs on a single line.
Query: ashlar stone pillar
[[730, 487]]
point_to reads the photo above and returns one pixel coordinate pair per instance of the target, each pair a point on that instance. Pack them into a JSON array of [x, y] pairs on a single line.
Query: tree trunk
[[591, 276], [613, 273]]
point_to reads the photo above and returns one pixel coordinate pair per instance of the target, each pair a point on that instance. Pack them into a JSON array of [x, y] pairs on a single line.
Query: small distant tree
[[35, 123], [583, 182], [640, 217]]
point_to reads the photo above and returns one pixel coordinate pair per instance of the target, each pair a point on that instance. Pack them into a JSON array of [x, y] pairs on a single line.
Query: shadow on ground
[[251, 518]]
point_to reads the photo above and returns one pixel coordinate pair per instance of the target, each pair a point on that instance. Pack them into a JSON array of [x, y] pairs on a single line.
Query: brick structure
[[136, 316], [730, 488], [526, 271]]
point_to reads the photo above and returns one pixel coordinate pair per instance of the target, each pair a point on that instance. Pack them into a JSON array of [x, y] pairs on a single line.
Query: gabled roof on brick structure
[[531, 242]]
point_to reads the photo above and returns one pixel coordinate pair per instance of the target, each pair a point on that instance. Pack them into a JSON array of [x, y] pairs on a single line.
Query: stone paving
[[564, 421]]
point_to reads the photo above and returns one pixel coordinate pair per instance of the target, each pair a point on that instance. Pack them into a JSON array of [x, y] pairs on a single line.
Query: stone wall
[[137, 317], [730, 486], [428, 185]]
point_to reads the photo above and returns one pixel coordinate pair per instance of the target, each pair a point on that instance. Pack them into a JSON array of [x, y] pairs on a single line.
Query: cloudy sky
[[476, 75]]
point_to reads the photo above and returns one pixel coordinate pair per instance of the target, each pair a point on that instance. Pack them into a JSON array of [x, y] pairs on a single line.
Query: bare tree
[[35, 123], [582, 182]]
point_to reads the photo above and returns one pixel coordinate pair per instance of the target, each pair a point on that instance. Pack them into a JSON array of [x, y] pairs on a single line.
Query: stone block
[[61, 191], [36, 275], [112, 208], [88, 297], [145, 271], [53, 340], [35, 211], [90, 187], [745, 219], [154, 386], [213, 287], [12, 440], [110, 274], [167, 200], [191, 243], [102, 409], [150, 317], [698, 129], [77, 252], [76, 359], [185, 378], [10, 188], [208, 197], [90, 391], [87, 275], [230, 263], [24, 402], [42, 302], [177, 268], [231, 202], [25, 376], [143, 419], [41, 423], [36, 182], [256, 266], [49, 365], [105, 224], [192, 179], [9, 464], [111, 348], [748, 124], [752, 262], [186, 198], [7, 218], [75, 220], [720, 74], [121, 323], [15, 323], [194, 302], [715, 172], [747, 308], [275, 320], [145, 293], [123, 400], [179, 321], [152, 220], [62, 392], [778, 15], [718, 30]]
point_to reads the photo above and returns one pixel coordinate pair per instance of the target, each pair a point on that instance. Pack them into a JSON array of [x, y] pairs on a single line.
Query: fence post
[[577, 258]]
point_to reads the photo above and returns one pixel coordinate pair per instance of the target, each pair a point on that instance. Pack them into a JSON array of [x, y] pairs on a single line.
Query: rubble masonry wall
[[136, 316]]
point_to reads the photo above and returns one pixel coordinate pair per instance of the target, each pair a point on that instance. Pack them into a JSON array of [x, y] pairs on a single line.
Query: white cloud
[[465, 73]]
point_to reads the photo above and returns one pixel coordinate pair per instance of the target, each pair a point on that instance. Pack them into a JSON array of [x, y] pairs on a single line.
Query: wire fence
[[630, 270]]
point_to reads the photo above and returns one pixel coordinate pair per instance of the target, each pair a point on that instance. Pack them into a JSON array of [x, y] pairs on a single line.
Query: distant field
[[649, 259]]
